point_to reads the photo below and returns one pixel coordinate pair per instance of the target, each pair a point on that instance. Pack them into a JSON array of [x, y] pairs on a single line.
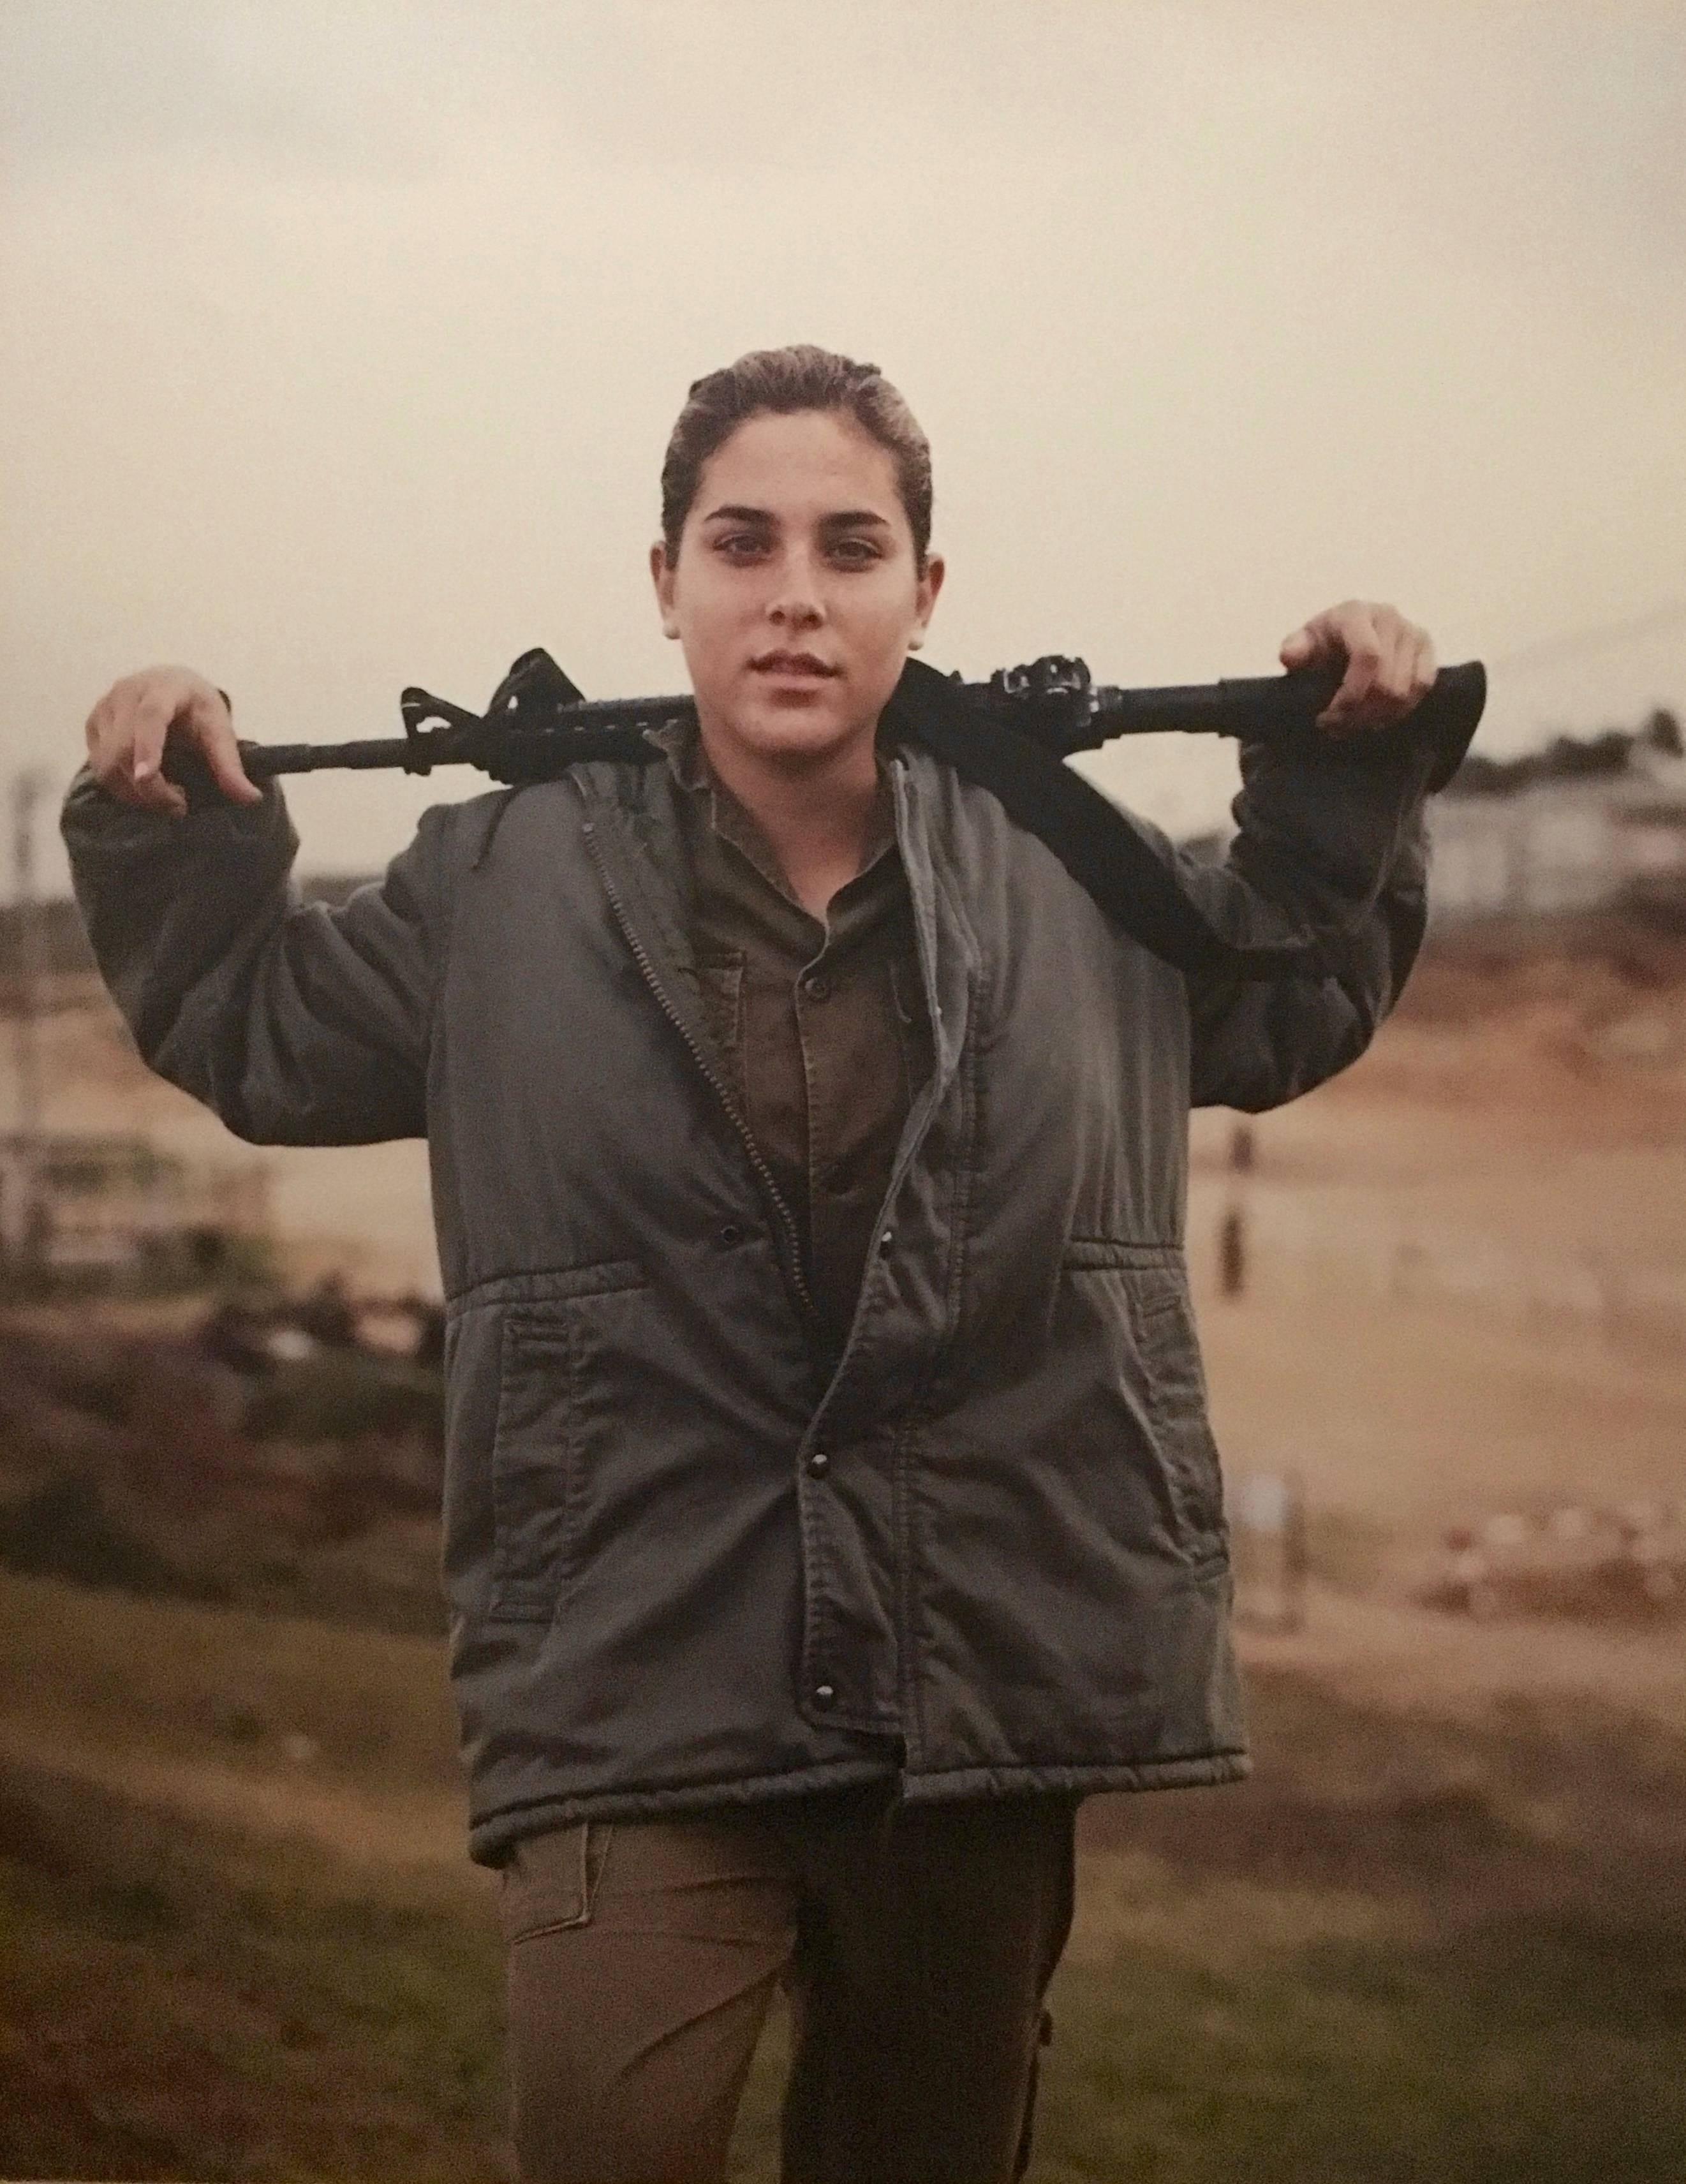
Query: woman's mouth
[[793, 666]]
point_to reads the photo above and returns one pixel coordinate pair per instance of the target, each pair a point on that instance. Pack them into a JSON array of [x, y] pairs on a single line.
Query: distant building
[[95, 1206], [1582, 825]]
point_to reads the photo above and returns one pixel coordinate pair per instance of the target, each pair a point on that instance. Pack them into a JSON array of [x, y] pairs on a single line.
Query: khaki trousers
[[915, 1945]]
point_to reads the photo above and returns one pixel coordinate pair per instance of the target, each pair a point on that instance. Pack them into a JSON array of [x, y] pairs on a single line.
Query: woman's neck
[[817, 817]]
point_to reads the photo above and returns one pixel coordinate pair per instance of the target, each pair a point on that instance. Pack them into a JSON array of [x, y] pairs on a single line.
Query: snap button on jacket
[[989, 1554]]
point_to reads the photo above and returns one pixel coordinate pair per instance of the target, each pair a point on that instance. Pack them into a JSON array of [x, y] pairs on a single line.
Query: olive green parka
[[989, 1555]]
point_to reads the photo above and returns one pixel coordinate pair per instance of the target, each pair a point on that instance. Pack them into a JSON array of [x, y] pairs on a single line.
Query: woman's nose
[[797, 599]]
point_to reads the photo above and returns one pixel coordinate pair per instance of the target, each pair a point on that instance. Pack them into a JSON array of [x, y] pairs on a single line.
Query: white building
[[78, 1203], [1562, 841]]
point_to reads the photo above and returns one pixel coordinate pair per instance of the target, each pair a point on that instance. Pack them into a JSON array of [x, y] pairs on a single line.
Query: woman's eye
[[750, 545]]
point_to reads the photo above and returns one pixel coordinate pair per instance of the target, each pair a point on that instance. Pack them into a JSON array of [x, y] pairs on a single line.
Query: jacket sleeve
[[1332, 834], [297, 1023]]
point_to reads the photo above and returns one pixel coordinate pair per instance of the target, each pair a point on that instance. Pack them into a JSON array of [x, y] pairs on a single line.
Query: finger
[[148, 728], [109, 730], [139, 781], [213, 730], [1362, 643], [1424, 667], [1396, 689], [132, 737], [1385, 699], [156, 795], [1314, 641]]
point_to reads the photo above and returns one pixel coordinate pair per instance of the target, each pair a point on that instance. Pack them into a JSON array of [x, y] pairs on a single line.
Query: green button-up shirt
[[822, 1023]]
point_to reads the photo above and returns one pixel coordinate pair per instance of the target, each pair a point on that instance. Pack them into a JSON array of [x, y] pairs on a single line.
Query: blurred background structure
[[338, 344]]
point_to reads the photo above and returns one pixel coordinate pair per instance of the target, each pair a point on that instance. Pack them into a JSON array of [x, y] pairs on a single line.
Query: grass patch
[[188, 1680], [1410, 1949], [1499, 2053], [63, 1529], [184, 2004], [180, 2004]]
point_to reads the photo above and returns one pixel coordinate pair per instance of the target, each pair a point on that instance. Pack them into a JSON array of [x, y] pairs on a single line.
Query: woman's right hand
[[128, 728]]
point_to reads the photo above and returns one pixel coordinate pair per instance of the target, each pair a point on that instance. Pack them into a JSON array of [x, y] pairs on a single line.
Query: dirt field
[[1439, 1935], [1467, 1280]]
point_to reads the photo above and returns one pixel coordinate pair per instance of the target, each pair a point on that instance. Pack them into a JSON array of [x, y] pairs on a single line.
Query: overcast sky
[[339, 341]]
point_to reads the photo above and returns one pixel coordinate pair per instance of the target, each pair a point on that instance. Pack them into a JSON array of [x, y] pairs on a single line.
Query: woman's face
[[795, 593]]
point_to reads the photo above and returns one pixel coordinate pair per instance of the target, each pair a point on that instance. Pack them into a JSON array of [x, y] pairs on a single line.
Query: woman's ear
[[929, 585], [662, 577]]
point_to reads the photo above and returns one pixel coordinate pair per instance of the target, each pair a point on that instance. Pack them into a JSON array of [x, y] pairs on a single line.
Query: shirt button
[[818, 988], [824, 1694], [887, 1241], [819, 1464]]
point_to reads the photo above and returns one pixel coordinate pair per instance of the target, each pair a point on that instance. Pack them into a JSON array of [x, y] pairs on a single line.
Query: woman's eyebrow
[[846, 519]]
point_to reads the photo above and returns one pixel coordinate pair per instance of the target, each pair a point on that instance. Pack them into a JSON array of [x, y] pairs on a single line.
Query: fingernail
[[143, 768]]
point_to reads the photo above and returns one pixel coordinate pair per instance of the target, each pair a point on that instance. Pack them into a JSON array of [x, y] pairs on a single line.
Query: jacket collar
[[949, 954]]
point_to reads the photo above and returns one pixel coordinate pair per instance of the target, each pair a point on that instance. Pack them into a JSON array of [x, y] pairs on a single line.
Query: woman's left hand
[[1389, 663]]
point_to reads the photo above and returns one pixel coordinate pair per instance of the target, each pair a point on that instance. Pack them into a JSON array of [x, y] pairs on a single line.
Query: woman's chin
[[806, 733]]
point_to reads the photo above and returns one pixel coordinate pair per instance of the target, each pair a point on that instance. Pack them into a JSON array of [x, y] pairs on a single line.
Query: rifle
[[1010, 735], [539, 723]]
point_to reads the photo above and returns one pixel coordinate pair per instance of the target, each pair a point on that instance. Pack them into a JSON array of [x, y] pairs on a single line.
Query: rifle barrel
[[368, 754], [1222, 709]]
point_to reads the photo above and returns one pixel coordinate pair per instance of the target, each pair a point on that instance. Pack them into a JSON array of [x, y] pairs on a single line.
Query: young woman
[[830, 1503]]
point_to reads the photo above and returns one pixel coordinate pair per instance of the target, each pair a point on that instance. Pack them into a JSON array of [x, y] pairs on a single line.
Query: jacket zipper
[[641, 956]]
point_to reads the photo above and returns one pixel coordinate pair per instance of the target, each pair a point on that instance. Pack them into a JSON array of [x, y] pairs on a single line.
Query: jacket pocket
[[538, 1481], [1140, 1293], [1177, 1399]]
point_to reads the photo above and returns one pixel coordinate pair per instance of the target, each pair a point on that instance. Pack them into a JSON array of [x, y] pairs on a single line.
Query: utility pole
[[27, 1222]]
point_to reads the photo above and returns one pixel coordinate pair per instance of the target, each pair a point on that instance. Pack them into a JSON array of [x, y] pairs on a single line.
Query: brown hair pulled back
[[785, 381]]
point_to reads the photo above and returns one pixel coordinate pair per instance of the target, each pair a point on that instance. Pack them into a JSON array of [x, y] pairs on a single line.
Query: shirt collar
[[681, 741]]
